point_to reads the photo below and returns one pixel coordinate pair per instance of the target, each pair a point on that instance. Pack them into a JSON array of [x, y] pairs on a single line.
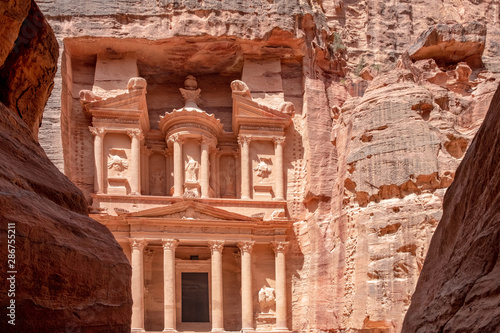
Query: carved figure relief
[[157, 181], [263, 169], [117, 162], [191, 168], [228, 182], [267, 299]]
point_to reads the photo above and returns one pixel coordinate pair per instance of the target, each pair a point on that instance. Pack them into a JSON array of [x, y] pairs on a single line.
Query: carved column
[[98, 133], [279, 142], [169, 246], [281, 313], [216, 248], [135, 161], [138, 246], [146, 154], [178, 169], [213, 171], [244, 142], [205, 170], [246, 285], [167, 153], [237, 163]]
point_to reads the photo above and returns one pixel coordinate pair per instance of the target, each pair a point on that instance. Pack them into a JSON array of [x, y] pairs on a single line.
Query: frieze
[[194, 125], [261, 128]]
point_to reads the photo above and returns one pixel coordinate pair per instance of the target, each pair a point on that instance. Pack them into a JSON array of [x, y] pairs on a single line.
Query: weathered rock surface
[[28, 71], [71, 275], [450, 44], [367, 206], [457, 290]]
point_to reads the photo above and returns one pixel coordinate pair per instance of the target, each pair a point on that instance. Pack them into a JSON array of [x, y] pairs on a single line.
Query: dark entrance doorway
[[195, 306]]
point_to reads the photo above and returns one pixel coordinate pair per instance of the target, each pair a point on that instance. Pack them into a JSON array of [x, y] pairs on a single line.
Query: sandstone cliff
[[69, 274], [366, 205], [457, 290]]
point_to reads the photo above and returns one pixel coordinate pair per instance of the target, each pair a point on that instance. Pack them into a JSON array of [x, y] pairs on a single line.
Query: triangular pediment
[[191, 210], [248, 108], [126, 101]]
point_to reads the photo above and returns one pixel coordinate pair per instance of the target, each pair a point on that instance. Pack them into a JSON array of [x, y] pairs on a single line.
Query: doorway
[[195, 297]]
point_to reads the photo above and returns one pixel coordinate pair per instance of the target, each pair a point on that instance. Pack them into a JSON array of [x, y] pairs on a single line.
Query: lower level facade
[[201, 265]]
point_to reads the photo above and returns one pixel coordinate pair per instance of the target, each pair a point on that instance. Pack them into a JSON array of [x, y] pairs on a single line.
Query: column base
[[217, 330], [169, 330], [137, 330], [281, 329], [135, 193]]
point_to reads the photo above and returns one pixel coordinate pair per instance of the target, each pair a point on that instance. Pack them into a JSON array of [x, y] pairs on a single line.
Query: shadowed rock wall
[[457, 290]]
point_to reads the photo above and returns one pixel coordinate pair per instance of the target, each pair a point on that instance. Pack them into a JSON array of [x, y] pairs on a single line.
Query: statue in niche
[[157, 183], [191, 170], [267, 299], [263, 168], [117, 162]]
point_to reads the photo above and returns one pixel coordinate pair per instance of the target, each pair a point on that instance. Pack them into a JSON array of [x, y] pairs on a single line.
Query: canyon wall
[[61, 270], [457, 290], [388, 97]]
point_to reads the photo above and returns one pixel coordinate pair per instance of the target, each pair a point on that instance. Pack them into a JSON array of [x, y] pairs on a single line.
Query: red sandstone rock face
[[457, 290], [28, 71], [71, 273], [370, 203]]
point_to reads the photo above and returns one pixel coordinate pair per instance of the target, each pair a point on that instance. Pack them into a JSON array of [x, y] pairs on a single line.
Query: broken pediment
[[248, 112], [191, 210]]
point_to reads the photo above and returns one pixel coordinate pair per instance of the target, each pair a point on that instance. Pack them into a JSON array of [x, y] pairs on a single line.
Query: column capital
[[146, 151], [246, 246], [279, 140], [280, 247], [138, 243], [244, 139], [175, 138], [169, 244], [216, 246], [135, 132], [97, 131]]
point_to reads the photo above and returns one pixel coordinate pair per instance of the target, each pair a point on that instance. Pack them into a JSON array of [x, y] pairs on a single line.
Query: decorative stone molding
[[244, 139], [175, 138], [216, 246], [278, 140], [240, 88], [138, 243], [169, 244], [246, 246], [135, 132], [280, 247], [97, 131], [147, 151]]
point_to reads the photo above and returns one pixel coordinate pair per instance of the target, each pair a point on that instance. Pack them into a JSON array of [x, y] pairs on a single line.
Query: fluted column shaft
[[178, 169], [205, 171], [138, 246], [244, 142], [280, 266], [135, 161], [216, 248], [246, 285], [279, 142], [169, 246], [98, 133]]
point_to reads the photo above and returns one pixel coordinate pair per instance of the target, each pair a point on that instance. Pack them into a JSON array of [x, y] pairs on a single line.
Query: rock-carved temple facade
[[198, 205]]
